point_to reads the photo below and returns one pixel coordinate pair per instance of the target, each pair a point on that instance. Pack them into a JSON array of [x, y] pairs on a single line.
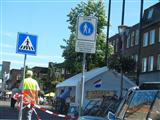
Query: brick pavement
[[7, 113]]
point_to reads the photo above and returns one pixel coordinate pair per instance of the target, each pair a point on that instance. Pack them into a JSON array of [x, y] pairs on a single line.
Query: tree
[[124, 63], [54, 76], [72, 59]]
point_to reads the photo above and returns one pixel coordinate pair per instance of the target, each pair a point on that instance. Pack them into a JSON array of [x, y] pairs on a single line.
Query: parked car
[[110, 116], [91, 118], [138, 104], [142, 104]]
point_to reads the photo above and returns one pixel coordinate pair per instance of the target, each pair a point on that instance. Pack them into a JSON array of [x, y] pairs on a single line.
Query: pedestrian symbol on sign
[[27, 45], [86, 28]]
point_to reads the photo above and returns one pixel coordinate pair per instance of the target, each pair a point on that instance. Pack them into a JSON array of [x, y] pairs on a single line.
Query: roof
[[73, 81]]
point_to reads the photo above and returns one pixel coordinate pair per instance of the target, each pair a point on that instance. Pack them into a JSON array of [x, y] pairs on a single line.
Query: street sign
[[86, 34], [86, 28], [85, 43], [85, 46], [26, 44]]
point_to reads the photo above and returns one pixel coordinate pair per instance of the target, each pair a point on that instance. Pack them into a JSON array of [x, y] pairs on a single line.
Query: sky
[[48, 20]]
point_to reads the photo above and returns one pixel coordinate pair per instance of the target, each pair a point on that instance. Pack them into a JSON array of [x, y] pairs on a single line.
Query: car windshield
[[142, 105]]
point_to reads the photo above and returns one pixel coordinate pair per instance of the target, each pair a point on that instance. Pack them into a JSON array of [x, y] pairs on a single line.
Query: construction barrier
[[26, 104]]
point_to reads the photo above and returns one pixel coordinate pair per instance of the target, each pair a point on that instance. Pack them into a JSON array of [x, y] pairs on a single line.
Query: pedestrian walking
[[1, 95], [13, 101], [65, 96], [58, 102], [30, 93]]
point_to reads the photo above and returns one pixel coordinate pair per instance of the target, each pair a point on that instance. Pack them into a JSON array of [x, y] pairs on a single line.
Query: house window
[[132, 39], [136, 58], [114, 45], [144, 64], [158, 62], [159, 34], [152, 37], [145, 39], [150, 13], [128, 41], [19, 77], [137, 37], [0, 71], [150, 63], [116, 48]]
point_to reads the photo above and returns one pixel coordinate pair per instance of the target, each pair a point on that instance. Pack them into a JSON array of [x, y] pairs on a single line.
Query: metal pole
[[108, 22], [21, 98], [139, 46], [123, 10], [121, 83], [122, 37], [83, 81]]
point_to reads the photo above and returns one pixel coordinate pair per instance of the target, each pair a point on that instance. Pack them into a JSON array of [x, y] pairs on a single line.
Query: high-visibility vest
[[30, 90]]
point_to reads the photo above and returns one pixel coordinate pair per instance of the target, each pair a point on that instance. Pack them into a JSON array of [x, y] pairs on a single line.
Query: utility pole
[[107, 37], [139, 46], [122, 30]]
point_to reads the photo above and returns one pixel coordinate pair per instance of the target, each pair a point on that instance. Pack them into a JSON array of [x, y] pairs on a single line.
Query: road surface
[[7, 113]]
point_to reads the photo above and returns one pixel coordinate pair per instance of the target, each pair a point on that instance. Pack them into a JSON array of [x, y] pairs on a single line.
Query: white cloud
[[9, 34], [19, 63], [7, 46], [37, 64], [46, 57], [16, 61], [42, 57], [11, 54]]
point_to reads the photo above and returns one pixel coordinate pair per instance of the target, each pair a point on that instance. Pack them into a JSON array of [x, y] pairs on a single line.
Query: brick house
[[150, 44]]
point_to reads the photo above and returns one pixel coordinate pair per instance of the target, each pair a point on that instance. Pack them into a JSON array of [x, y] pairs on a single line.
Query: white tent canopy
[[111, 82], [73, 81]]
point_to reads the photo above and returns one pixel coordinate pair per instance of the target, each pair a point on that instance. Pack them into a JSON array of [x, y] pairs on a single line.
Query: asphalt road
[[7, 113]]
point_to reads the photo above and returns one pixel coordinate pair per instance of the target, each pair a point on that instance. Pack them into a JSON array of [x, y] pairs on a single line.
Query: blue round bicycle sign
[[86, 28]]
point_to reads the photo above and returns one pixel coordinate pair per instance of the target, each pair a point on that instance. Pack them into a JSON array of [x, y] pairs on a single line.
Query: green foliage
[[73, 60], [91, 8], [126, 63], [54, 76], [37, 78]]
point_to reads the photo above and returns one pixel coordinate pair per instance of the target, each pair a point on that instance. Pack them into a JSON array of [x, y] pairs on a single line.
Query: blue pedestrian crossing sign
[[86, 28], [26, 44]]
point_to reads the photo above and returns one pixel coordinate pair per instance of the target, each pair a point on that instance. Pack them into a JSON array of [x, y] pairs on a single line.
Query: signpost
[[86, 35], [26, 44], [85, 43]]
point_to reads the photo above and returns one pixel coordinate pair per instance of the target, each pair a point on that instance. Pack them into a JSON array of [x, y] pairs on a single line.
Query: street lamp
[[122, 29]]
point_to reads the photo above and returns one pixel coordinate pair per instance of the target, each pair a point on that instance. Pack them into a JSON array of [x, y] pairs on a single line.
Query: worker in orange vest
[[30, 94]]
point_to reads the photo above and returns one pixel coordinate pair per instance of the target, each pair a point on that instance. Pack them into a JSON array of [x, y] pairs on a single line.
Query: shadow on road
[[7, 113]]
